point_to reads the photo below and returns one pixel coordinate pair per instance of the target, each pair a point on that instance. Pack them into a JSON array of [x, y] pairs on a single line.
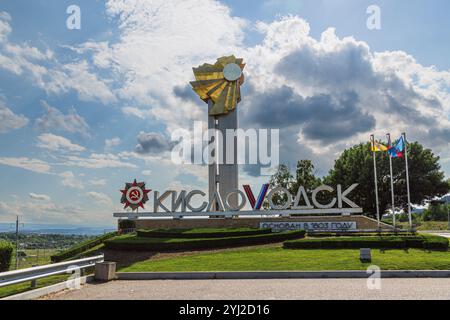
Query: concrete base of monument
[[312, 223]]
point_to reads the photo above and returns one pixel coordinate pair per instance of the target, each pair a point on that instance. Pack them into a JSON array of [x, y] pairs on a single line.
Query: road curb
[[280, 275]]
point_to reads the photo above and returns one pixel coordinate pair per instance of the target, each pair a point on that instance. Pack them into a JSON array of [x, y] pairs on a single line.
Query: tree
[[355, 165], [304, 176], [436, 212]]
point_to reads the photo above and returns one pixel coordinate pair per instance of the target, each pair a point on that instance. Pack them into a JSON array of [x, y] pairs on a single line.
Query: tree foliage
[[355, 165]]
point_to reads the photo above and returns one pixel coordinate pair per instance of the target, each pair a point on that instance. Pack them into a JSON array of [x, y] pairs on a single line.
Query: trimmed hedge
[[359, 234], [6, 250], [80, 248], [134, 243], [393, 242], [185, 234]]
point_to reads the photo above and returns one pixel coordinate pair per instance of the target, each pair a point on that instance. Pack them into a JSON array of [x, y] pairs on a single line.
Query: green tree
[[281, 178], [304, 176], [355, 165], [436, 213]]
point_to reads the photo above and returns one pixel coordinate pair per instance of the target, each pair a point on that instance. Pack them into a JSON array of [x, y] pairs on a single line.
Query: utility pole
[[17, 242]]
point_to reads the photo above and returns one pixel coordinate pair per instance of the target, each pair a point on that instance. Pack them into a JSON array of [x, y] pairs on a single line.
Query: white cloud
[[138, 113], [97, 161], [98, 182], [111, 143], [376, 92], [101, 198], [53, 77], [55, 143], [30, 164], [77, 76], [147, 172], [9, 120], [69, 180], [5, 28], [40, 197], [53, 119], [176, 35]]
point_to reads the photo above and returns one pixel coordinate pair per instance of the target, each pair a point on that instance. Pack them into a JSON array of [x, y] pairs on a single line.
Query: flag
[[379, 147], [398, 148]]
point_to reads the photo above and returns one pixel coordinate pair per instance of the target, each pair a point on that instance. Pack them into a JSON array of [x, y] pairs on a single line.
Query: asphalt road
[[288, 289]]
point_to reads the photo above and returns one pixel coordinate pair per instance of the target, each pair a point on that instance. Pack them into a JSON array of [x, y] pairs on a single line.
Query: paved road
[[301, 289]]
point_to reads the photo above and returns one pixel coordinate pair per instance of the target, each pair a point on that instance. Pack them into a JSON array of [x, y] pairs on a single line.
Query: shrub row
[[6, 250], [151, 244], [86, 245], [393, 242], [359, 234], [196, 235]]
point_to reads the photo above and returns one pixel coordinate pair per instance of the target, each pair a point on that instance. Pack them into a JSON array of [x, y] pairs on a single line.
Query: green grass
[[33, 257], [279, 259], [22, 287], [133, 242]]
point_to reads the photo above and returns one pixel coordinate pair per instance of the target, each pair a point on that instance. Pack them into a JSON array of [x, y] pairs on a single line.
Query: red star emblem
[[134, 195]]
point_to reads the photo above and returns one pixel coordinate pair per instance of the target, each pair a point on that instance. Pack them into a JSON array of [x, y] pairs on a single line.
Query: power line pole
[[17, 242]]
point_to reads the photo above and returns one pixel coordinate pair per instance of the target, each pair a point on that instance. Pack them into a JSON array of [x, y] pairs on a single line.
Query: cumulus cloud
[[5, 27], [69, 180], [177, 35], [47, 73], [56, 143], [137, 112], [152, 143], [100, 198], [34, 165], [97, 161], [54, 119], [9, 120], [328, 94], [111, 143], [40, 197], [98, 182]]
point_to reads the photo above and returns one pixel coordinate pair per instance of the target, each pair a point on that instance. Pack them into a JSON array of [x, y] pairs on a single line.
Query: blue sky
[[76, 103]]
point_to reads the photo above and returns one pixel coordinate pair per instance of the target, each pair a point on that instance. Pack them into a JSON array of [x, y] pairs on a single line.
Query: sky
[[82, 111]]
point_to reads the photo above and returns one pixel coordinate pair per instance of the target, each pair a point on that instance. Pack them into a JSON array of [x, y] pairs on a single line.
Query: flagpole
[[407, 181], [375, 178], [392, 182]]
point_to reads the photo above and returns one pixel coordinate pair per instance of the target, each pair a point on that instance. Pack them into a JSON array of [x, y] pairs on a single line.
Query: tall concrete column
[[223, 177]]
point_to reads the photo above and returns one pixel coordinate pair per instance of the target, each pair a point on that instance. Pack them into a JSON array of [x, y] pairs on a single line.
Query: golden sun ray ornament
[[221, 83]]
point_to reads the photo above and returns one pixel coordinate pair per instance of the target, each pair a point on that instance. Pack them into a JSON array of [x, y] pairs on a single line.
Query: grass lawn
[[278, 259], [22, 287]]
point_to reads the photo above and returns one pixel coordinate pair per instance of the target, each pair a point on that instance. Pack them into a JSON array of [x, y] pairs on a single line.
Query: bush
[[6, 250], [201, 233], [436, 213], [389, 242], [358, 234], [135, 243], [73, 251]]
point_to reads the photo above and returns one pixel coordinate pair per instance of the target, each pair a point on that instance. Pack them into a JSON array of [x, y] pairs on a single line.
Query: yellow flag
[[379, 147]]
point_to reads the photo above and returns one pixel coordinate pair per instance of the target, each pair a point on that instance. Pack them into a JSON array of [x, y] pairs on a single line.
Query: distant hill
[[55, 229]]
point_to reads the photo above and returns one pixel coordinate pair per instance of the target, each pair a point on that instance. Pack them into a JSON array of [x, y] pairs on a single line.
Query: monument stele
[[219, 86]]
